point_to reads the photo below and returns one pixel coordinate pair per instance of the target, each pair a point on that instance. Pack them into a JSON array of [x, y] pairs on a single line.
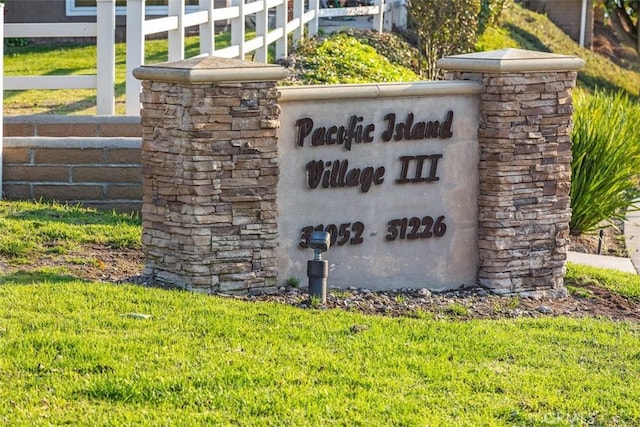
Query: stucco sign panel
[[392, 178]]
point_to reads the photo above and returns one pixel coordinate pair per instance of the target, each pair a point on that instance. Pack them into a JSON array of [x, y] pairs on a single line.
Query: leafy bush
[[391, 46], [606, 159], [343, 59]]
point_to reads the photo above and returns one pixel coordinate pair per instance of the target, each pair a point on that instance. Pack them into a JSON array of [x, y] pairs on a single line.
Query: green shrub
[[391, 46], [439, 29], [606, 159], [343, 59]]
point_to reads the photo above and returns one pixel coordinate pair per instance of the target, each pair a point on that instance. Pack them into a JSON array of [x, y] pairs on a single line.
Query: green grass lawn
[[97, 354], [29, 229], [88, 353], [618, 282]]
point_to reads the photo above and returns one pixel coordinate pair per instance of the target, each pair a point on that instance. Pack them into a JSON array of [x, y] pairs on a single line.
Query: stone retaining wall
[[102, 173], [89, 160]]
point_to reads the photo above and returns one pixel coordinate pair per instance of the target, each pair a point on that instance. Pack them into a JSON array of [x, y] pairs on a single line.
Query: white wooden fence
[[273, 23], [104, 31]]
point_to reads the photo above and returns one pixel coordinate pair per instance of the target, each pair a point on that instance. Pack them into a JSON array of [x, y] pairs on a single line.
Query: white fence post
[[176, 37], [207, 30], [314, 24], [282, 12], [135, 54], [106, 56], [262, 30], [378, 20], [238, 29], [298, 11]]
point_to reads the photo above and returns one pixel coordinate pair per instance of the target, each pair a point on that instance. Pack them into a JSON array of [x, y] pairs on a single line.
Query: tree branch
[[628, 36], [624, 16]]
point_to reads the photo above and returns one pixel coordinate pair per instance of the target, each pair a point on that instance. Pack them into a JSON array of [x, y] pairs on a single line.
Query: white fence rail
[[104, 32], [273, 22]]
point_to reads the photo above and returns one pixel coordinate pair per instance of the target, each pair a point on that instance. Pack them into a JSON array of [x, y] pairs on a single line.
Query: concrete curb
[[632, 242], [602, 261], [632, 238]]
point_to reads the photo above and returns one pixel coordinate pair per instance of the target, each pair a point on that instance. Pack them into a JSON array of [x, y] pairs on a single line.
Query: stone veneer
[[525, 166], [210, 169]]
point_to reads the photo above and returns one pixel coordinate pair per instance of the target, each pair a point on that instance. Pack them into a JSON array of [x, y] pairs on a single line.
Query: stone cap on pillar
[[210, 69], [510, 61]]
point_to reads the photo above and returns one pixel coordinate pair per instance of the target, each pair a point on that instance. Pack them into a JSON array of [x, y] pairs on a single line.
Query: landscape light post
[[317, 268]]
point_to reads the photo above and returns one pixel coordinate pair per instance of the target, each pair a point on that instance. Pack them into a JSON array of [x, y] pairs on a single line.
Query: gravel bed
[[465, 304]]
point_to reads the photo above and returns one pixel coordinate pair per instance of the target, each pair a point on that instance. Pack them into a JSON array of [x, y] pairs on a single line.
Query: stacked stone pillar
[[210, 172], [525, 166]]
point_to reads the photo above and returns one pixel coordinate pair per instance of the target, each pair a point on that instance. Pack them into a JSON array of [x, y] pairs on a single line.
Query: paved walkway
[[602, 261], [343, 23], [632, 241]]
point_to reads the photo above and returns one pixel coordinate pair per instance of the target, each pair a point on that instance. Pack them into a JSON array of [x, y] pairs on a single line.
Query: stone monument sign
[[435, 184]]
